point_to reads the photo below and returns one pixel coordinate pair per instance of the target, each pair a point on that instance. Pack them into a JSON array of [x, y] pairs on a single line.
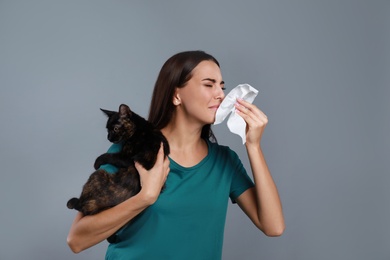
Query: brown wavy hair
[[175, 73]]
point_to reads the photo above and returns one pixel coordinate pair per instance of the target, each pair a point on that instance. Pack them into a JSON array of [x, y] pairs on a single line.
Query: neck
[[181, 136], [187, 148]]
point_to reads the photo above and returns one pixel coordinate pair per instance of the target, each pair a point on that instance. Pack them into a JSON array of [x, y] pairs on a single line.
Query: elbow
[[73, 245], [275, 231]]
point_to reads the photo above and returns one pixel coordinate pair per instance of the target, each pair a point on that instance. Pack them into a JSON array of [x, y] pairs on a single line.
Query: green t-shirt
[[187, 221]]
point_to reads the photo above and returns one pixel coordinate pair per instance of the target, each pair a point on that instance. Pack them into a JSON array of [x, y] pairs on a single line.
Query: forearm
[[269, 207], [87, 231]]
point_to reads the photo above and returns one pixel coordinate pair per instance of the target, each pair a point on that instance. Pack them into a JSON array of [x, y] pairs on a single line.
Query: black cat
[[140, 142]]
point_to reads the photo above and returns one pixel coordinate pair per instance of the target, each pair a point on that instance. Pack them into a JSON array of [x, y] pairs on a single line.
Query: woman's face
[[200, 98]]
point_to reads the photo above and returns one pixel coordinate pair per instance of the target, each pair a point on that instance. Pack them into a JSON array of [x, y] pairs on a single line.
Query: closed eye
[[222, 83], [210, 86]]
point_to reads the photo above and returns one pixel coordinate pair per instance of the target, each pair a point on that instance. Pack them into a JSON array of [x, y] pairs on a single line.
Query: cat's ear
[[124, 110], [108, 112]]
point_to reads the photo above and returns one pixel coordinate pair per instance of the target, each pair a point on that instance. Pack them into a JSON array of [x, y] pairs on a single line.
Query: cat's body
[[140, 142]]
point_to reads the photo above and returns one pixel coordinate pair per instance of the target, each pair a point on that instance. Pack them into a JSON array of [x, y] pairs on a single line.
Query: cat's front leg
[[114, 159]]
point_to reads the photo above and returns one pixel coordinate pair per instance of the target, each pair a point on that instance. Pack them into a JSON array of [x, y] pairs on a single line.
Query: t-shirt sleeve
[[115, 148], [240, 179]]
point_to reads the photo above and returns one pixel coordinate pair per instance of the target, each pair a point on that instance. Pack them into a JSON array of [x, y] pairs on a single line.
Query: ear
[[108, 112], [176, 98], [124, 110]]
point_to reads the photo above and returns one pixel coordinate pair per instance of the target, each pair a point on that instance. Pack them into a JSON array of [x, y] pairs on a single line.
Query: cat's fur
[[140, 142]]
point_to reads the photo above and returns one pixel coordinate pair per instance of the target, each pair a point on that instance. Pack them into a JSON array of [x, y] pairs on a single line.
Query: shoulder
[[222, 150], [115, 148]]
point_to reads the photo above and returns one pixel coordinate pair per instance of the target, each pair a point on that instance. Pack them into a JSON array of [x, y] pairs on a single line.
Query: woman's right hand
[[153, 180], [87, 231]]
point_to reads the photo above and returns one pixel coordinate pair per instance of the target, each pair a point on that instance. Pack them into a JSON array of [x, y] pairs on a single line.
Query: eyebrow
[[213, 80]]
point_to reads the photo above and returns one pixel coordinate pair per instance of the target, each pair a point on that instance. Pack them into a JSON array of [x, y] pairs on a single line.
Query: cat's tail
[[74, 203]]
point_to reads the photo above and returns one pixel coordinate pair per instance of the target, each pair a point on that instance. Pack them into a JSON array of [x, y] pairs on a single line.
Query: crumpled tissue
[[235, 123]]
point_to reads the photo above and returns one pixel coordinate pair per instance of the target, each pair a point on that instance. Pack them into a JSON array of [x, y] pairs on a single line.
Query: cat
[[140, 142]]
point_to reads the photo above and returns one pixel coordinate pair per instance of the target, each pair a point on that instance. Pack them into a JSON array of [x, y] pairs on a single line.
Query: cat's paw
[[73, 203], [102, 159]]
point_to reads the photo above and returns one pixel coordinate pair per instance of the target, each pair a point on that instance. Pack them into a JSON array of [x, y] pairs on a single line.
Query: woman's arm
[[261, 203], [87, 231]]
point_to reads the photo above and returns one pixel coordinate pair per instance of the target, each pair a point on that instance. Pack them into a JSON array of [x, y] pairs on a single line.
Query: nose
[[220, 94]]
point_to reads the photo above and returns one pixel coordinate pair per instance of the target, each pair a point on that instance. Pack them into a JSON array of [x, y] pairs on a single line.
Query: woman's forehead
[[207, 69]]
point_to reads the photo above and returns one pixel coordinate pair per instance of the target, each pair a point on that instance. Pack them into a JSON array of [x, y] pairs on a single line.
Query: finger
[[246, 112], [161, 150], [247, 106], [247, 118], [160, 155], [138, 166], [251, 119], [251, 107], [166, 165], [245, 103]]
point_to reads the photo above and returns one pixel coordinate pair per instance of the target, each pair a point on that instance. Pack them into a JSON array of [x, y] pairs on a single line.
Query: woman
[[187, 220]]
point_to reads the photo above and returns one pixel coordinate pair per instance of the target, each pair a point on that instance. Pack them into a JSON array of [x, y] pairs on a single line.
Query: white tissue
[[235, 123]]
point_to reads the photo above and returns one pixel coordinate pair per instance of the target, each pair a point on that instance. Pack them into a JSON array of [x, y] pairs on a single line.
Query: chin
[[209, 119], [210, 122]]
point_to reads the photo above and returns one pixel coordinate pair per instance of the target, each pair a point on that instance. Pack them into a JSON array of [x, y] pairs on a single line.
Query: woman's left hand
[[255, 119]]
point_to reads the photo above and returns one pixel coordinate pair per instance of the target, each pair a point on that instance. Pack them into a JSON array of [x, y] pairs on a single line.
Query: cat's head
[[119, 124]]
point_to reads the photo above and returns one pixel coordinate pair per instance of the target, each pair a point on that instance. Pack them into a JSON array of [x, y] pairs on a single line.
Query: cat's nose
[[110, 137]]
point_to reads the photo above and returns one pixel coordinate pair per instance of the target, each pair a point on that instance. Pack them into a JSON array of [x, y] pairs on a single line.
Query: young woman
[[187, 220]]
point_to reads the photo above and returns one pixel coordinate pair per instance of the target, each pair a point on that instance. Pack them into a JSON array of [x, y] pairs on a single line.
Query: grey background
[[322, 69]]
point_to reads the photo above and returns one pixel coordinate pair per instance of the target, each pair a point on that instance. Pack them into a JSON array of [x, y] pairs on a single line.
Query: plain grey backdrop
[[323, 74]]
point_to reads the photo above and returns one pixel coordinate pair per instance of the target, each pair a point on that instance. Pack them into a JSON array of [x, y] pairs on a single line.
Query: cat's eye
[[116, 129]]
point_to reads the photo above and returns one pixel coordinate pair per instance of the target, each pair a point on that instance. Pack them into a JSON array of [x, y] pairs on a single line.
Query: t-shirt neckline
[[174, 164]]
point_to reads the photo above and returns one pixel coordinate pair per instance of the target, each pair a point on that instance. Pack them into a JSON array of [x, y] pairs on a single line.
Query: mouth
[[214, 107]]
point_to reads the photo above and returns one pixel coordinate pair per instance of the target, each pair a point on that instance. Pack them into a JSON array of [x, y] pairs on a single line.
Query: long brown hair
[[175, 73]]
